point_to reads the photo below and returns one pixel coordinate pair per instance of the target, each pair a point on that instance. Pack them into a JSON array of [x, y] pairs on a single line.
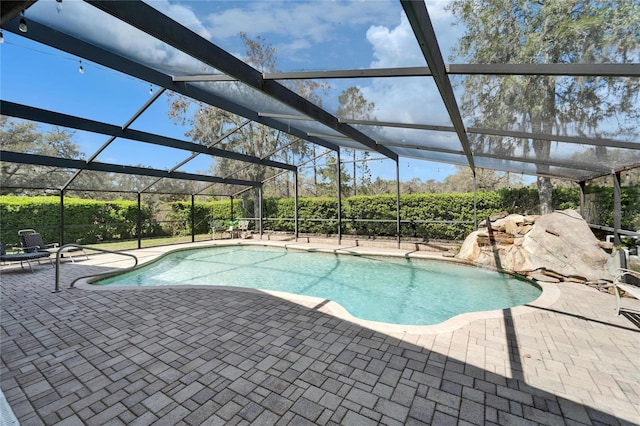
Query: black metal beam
[[557, 138], [616, 170], [68, 163], [570, 70], [362, 73], [400, 125], [130, 121], [66, 43], [564, 164], [9, 9], [420, 21], [45, 116], [612, 143], [617, 209], [163, 28], [195, 154], [506, 168]]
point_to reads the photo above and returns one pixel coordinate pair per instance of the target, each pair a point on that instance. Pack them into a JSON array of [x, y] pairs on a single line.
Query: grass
[[150, 242]]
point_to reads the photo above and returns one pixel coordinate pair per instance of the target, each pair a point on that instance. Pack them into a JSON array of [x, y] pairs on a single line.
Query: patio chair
[[243, 227], [629, 282], [32, 241], [22, 256], [219, 226]]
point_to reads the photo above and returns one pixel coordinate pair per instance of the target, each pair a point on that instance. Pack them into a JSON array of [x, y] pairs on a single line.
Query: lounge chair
[[32, 241], [629, 282], [22, 256]]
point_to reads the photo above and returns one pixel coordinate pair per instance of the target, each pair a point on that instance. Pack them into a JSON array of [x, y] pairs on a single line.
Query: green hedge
[[86, 221], [599, 205], [180, 215], [440, 212]]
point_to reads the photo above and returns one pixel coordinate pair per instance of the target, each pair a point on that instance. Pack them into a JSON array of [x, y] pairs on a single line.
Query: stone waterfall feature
[[555, 247]]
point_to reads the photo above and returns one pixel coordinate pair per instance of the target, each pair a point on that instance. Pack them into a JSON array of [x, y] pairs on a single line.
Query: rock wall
[[554, 247]]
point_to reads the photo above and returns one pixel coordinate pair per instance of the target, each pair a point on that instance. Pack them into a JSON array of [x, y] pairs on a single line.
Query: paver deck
[[193, 356]]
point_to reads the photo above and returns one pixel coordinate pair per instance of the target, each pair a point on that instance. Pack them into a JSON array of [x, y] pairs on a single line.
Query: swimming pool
[[386, 289]]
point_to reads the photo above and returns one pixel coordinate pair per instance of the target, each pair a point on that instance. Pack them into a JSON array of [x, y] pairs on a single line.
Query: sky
[[307, 35]]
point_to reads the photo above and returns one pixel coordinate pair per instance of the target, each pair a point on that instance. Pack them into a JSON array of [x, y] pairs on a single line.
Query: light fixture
[[81, 69], [151, 89], [23, 25], [59, 5]]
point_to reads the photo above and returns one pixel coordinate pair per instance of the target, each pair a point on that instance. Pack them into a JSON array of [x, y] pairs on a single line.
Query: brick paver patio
[[209, 356]]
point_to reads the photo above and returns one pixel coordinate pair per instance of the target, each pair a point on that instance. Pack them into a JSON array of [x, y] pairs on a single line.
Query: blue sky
[[309, 35]]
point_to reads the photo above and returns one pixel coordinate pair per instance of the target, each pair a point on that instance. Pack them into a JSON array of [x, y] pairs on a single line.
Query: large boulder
[[558, 245]]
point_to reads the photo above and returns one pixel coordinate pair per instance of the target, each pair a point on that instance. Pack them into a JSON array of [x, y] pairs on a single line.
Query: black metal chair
[[32, 241], [22, 256]]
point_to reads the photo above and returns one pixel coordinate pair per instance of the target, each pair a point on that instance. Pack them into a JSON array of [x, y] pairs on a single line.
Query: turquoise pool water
[[386, 289]]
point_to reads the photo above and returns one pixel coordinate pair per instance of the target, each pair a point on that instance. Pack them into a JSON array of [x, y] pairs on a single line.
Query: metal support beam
[[574, 70], [339, 197], [231, 208], [505, 168], [589, 167], [275, 151], [400, 125], [195, 154], [398, 201], [45, 116], [295, 205], [155, 23], [504, 133], [617, 170], [617, 209], [12, 8], [43, 160], [582, 197], [139, 226], [77, 47], [126, 125], [418, 16], [193, 219], [475, 203], [557, 138], [260, 210], [61, 230]]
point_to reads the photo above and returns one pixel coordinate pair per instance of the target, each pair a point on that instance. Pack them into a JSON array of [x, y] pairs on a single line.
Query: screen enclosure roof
[[429, 124]]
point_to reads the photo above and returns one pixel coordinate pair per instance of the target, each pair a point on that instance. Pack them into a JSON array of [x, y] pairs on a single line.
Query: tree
[[549, 31], [354, 106], [327, 186], [209, 123], [26, 137], [486, 180]]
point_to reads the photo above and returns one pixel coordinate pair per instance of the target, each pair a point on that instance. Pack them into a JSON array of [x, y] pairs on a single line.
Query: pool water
[[387, 289]]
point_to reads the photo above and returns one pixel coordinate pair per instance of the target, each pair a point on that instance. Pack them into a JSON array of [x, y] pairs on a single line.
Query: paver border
[[549, 295]]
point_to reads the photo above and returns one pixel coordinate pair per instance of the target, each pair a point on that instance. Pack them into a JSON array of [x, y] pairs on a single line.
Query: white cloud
[[86, 22], [396, 99], [300, 25], [182, 14], [315, 20], [395, 47]]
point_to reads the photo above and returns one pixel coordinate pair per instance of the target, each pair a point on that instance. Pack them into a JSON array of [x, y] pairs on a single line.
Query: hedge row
[[180, 215], [86, 221], [432, 216]]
